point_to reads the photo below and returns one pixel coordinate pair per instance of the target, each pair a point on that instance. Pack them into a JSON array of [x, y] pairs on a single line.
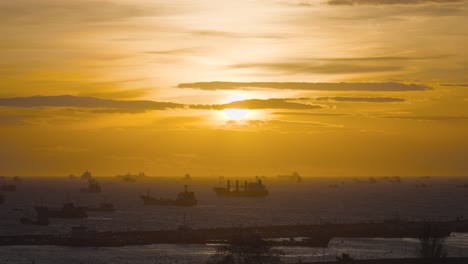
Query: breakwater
[[316, 235]]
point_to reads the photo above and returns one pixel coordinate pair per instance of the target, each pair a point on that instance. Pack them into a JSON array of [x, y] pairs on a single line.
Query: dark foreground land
[[401, 261]]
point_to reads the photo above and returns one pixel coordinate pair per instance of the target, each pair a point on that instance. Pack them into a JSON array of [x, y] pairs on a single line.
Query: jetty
[[315, 235]]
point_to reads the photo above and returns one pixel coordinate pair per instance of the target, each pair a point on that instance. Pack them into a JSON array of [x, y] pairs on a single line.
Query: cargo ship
[[86, 175], [184, 198], [250, 189]]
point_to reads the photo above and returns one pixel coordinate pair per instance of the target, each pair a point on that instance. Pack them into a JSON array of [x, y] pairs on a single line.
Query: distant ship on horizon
[[250, 189], [132, 177], [86, 175], [184, 198], [293, 176]]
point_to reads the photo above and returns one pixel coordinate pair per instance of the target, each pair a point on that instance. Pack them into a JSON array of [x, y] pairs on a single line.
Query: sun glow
[[234, 113]]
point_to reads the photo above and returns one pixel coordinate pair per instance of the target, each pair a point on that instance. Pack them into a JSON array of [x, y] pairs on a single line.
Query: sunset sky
[[322, 87]]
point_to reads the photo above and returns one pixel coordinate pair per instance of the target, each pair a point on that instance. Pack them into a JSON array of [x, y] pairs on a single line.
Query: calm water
[[289, 203]]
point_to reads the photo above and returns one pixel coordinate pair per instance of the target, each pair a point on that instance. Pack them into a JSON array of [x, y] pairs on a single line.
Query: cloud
[[255, 104], [375, 87], [280, 125], [180, 51], [85, 102], [428, 117], [361, 99], [338, 65], [391, 2], [10, 119], [309, 114], [456, 85], [321, 68], [119, 106], [304, 4], [230, 34], [66, 12], [381, 58]]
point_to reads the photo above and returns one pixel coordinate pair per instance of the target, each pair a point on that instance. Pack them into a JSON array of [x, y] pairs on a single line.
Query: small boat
[[184, 198]]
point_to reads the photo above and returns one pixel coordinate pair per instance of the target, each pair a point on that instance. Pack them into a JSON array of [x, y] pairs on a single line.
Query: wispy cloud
[[309, 114], [428, 117], [456, 85], [85, 102], [118, 106], [391, 2], [66, 12], [385, 86], [361, 99], [274, 103], [180, 51], [321, 68]]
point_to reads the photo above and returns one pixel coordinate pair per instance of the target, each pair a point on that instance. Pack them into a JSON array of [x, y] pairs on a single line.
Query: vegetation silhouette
[[432, 245]]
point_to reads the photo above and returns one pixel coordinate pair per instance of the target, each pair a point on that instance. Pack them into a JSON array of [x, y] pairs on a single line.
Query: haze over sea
[[314, 200]]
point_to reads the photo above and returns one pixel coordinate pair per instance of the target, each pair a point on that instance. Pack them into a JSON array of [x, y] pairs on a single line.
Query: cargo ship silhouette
[[250, 189], [184, 198]]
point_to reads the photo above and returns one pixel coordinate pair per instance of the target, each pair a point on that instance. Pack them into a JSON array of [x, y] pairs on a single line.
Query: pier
[[315, 235]]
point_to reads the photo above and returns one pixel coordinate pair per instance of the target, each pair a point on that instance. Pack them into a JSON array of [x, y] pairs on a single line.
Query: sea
[[313, 200]]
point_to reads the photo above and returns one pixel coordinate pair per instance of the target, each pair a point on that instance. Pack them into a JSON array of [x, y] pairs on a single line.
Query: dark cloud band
[[118, 106], [376, 87]]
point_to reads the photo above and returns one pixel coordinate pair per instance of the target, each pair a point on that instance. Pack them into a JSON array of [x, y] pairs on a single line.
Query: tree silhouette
[[431, 244]]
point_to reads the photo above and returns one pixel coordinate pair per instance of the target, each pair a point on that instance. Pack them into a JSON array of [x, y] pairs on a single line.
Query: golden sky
[[323, 87]]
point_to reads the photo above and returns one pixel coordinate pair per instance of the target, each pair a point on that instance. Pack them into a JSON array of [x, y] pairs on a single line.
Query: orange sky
[[326, 88]]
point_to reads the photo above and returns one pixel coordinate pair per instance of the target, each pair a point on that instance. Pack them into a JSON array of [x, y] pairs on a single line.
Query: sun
[[234, 113]]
